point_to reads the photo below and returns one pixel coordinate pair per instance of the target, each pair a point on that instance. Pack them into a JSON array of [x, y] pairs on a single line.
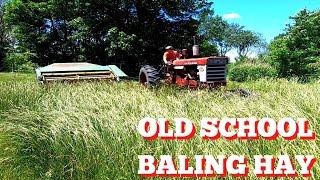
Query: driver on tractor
[[170, 55]]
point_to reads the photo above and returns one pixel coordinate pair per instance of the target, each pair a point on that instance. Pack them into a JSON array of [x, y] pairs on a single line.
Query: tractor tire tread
[[150, 76]]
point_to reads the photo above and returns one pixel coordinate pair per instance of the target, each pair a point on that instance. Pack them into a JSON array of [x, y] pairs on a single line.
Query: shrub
[[248, 71], [21, 62]]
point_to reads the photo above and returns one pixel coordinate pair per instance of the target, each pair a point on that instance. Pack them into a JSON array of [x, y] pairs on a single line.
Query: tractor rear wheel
[[149, 76]]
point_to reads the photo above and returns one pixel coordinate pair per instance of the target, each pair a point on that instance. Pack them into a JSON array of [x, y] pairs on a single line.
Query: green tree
[[244, 41], [3, 34], [296, 53], [219, 32], [207, 49], [279, 55], [227, 36]]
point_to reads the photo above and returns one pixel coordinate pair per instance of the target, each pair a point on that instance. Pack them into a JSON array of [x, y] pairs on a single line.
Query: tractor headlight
[[201, 69]]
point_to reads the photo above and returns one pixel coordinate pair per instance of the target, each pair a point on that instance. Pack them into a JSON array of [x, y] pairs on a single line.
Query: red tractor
[[201, 71]]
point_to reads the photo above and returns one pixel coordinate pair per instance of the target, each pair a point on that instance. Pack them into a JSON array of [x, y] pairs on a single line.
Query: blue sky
[[267, 17]]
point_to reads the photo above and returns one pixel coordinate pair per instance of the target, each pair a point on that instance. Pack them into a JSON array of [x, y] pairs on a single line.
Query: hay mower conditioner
[[78, 71]]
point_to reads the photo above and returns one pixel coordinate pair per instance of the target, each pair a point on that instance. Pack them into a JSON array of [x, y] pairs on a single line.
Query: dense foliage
[[246, 71], [297, 52], [3, 35], [102, 31]]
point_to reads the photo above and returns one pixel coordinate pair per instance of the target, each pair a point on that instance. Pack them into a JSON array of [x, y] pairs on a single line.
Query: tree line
[[132, 33], [123, 32]]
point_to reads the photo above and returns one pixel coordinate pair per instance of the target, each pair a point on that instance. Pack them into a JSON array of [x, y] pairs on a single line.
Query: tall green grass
[[88, 130]]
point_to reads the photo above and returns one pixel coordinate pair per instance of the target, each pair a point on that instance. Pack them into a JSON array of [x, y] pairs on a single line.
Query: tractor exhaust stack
[[195, 48]]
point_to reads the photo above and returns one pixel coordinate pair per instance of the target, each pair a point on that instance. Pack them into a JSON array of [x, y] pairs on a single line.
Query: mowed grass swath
[[88, 130]]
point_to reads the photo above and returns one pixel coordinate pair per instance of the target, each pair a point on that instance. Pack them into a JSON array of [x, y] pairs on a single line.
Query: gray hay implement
[[78, 71]]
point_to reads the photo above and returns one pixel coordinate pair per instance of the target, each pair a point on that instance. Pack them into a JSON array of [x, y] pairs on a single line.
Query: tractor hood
[[213, 60]]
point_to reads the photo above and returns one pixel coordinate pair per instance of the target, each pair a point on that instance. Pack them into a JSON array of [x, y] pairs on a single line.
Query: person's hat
[[169, 47]]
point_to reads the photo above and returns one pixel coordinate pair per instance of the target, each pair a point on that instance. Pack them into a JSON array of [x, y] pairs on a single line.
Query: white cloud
[[231, 16]]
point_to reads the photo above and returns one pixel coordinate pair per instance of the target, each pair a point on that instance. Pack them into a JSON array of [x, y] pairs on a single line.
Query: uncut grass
[[89, 130]]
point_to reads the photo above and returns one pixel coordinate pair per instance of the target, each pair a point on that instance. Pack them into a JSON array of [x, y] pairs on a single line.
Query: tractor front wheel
[[149, 76]]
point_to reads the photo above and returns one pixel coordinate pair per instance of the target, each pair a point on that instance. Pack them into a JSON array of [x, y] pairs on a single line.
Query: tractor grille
[[216, 73]]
